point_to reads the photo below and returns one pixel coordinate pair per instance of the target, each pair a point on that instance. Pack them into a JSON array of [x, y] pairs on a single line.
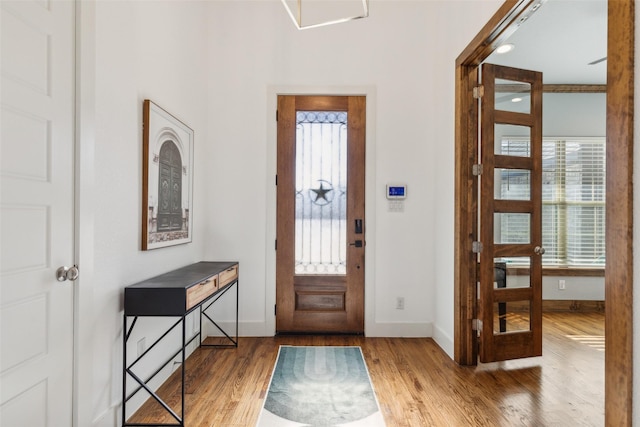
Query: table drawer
[[199, 292], [228, 276]]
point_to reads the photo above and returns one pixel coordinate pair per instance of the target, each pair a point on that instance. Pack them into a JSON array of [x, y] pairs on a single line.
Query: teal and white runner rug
[[320, 386]]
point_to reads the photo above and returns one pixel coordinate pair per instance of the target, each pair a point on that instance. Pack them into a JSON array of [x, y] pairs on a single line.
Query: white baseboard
[[255, 329], [380, 329], [400, 329], [109, 418], [444, 340], [245, 329]]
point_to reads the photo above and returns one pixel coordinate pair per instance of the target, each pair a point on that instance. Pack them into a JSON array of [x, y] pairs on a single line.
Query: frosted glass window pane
[[321, 192]]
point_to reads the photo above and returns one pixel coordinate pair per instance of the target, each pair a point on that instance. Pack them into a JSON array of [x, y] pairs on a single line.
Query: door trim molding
[[618, 277], [619, 268], [84, 307], [271, 167]]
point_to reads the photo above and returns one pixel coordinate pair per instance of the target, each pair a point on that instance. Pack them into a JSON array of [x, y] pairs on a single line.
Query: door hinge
[[275, 309], [478, 92], [476, 324], [276, 179], [276, 245], [476, 247], [276, 115], [476, 169]]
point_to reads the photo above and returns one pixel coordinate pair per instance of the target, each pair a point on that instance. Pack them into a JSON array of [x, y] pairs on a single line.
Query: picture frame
[[167, 179]]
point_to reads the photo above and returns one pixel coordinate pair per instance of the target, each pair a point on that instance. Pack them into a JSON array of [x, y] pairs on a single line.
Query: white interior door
[[37, 160]]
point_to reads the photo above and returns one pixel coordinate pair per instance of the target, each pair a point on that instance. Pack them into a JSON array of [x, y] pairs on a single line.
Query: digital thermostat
[[396, 191]]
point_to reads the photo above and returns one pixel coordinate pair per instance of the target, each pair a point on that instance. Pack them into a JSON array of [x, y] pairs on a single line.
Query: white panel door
[[36, 212]]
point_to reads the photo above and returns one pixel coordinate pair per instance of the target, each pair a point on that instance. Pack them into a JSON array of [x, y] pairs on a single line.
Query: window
[[573, 200], [321, 192]]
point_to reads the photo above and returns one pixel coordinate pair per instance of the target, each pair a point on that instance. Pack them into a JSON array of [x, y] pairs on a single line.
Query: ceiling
[[560, 39]]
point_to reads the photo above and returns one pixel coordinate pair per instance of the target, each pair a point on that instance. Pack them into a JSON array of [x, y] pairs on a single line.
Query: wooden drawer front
[[229, 275], [199, 292]]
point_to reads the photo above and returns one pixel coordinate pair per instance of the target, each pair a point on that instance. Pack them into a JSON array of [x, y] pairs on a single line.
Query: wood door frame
[[371, 327], [619, 209]]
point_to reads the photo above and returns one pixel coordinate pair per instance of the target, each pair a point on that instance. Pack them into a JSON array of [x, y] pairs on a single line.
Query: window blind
[[573, 197]]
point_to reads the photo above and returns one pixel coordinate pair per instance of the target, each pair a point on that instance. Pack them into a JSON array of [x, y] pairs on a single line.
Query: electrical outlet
[[142, 345], [562, 285], [400, 303]]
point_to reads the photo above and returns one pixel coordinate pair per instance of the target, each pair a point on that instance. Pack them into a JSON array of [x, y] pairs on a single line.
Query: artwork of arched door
[[170, 188]]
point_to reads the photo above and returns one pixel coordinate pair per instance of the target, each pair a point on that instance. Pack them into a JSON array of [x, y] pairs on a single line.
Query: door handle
[[357, 244], [67, 273]]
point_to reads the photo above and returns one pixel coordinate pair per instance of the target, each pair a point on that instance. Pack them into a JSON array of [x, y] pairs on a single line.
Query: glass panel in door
[[513, 96], [321, 192]]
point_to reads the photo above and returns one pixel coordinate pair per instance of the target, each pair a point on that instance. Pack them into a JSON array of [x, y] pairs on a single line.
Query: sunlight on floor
[[593, 341]]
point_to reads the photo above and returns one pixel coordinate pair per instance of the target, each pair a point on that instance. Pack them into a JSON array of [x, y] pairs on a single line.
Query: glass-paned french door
[[510, 299]]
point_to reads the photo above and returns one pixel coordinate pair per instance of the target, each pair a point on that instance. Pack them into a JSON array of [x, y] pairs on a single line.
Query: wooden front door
[[320, 214], [510, 245]]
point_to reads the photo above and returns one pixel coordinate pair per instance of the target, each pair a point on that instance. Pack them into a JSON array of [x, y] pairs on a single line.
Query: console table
[[175, 294]]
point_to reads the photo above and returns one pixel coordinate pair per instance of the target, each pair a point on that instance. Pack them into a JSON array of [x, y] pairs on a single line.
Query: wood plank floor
[[416, 383]]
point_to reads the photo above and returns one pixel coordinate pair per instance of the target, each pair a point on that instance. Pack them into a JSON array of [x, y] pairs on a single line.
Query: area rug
[[320, 386]]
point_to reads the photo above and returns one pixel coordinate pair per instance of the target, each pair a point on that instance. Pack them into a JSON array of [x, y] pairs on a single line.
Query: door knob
[[67, 273], [539, 250]]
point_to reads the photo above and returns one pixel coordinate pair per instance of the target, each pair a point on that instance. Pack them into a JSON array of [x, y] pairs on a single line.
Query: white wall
[[143, 50], [574, 114], [401, 55]]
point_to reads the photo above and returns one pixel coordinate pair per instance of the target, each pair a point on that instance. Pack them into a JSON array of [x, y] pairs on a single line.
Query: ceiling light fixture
[[530, 11], [355, 9], [507, 47]]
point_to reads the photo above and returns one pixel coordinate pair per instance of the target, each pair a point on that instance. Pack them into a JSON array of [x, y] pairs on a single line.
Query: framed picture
[[167, 179]]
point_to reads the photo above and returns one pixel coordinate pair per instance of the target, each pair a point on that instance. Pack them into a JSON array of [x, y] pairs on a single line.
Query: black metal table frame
[[142, 384]]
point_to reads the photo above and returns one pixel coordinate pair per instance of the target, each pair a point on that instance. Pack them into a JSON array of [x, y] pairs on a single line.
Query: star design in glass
[[321, 193]]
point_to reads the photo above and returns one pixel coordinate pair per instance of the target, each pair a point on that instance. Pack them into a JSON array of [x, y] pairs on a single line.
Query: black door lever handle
[[357, 244]]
